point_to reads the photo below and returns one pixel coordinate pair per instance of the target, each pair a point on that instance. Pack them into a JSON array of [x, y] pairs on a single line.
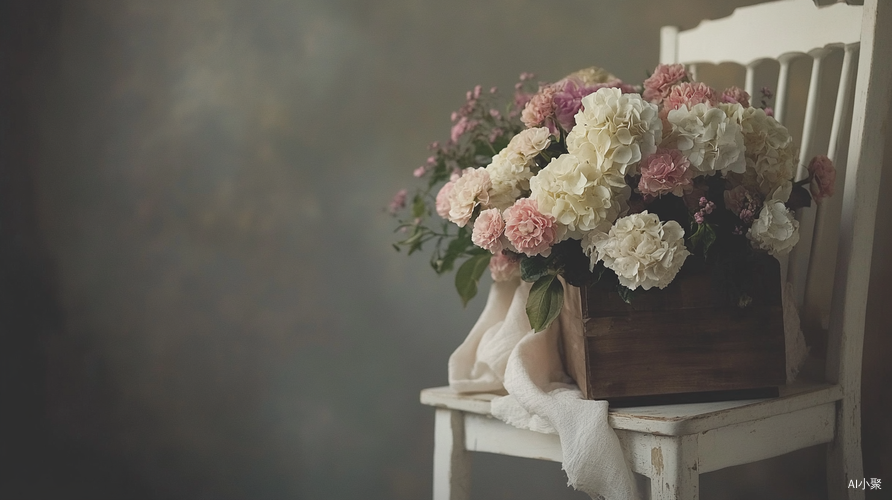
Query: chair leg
[[674, 464], [452, 462], [844, 460]]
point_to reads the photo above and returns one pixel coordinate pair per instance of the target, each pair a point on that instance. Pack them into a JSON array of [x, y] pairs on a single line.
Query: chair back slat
[[873, 93], [823, 248], [783, 83], [769, 31], [800, 256], [750, 81], [783, 31]]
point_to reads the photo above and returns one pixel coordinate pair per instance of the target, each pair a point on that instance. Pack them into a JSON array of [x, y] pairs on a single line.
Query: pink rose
[[823, 177], [529, 230], [666, 171], [657, 87], [488, 229], [736, 95], [443, 199], [504, 266]]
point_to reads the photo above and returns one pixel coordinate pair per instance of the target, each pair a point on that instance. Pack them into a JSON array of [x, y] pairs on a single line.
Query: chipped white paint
[[673, 444]]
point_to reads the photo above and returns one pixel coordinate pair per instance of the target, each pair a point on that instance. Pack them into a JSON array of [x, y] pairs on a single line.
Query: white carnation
[[770, 153], [615, 130], [709, 138], [469, 190], [776, 230], [510, 171], [508, 179], [640, 249], [580, 195], [527, 145]]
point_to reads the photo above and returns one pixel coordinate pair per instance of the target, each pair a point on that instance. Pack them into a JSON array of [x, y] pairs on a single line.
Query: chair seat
[[727, 433], [670, 420]]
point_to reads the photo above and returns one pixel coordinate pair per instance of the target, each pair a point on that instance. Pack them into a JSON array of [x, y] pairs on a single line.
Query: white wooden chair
[[673, 444]]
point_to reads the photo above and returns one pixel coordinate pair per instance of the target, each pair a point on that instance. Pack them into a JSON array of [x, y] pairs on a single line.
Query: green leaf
[[419, 208], [625, 293], [468, 276], [545, 301], [704, 235], [708, 237], [533, 268]]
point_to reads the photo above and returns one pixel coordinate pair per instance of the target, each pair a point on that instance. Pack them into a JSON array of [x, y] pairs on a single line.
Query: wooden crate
[[684, 343]]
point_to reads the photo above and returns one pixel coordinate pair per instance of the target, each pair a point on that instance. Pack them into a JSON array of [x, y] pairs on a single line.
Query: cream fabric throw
[[502, 352]]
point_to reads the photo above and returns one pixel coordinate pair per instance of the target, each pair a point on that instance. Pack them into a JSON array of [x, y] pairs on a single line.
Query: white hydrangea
[[615, 130], [580, 195], [776, 230], [771, 156], [640, 249], [709, 138]]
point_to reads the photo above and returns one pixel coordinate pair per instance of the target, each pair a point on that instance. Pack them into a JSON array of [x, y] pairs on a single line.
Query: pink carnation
[[736, 95], [823, 177], [657, 87], [443, 199], [504, 266], [689, 94], [488, 229], [529, 230], [666, 171], [539, 112]]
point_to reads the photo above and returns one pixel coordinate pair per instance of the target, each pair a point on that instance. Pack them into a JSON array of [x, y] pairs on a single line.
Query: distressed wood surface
[[452, 462], [671, 420], [683, 343]]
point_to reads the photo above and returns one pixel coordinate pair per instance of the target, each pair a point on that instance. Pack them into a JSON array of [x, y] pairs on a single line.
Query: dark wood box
[[684, 343]]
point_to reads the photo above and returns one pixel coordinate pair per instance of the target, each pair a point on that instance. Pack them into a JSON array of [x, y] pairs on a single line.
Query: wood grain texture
[[682, 341]]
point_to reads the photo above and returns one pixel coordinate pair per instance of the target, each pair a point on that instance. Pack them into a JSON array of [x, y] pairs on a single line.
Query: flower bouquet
[[612, 186]]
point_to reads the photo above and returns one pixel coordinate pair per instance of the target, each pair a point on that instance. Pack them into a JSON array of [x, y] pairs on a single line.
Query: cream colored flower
[[776, 230], [592, 75], [510, 171], [509, 180], [526, 145], [640, 249], [578, 194], [615, 130], [470, 190], [708, 138], [771, 156]]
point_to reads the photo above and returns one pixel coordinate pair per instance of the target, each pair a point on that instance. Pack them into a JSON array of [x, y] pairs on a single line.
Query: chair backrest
[[838, 233]]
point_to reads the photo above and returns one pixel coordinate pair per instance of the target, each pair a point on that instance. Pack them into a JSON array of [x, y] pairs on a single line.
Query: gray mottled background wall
[[199, 299]]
